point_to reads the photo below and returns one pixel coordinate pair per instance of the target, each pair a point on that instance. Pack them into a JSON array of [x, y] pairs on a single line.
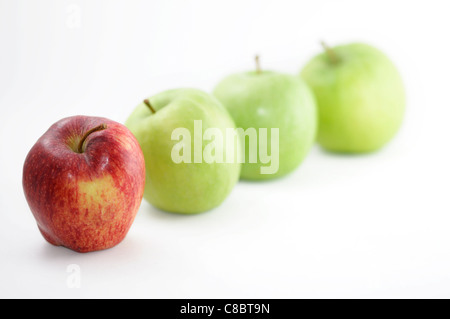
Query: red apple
[[84, 182]]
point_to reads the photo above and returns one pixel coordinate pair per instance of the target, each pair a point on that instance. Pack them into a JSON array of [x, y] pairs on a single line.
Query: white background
[[371, 226]]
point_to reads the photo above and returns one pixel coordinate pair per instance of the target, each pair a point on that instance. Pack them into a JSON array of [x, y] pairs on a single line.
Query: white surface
[[340, 226]]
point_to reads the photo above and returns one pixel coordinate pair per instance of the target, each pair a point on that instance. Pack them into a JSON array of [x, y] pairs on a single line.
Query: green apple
[[360, 97], [282, 104], [177, 129]]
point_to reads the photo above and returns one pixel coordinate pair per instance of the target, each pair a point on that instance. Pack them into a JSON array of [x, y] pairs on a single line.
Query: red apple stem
[[330, 52], [258, 64], [147, 102], [101, 127]]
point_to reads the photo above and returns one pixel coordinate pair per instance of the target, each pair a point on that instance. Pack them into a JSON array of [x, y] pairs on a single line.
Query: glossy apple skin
[[361, 98], [84, 201], [184, 188], [269, 100]]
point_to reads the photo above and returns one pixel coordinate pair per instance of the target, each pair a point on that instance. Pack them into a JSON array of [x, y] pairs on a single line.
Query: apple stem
[[147, 102], [101, 127], [258, 65], [331, 54]]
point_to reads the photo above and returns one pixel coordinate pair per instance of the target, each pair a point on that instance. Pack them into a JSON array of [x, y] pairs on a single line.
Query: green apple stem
[[331, 54], [147, 102], [258, 65], [101, 127]]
